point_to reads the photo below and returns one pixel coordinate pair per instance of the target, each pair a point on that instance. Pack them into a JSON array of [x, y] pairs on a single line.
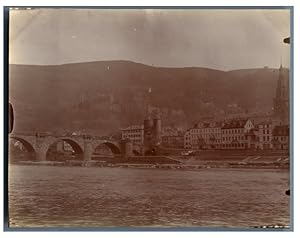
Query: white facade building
[[135, 133], [234, 133]]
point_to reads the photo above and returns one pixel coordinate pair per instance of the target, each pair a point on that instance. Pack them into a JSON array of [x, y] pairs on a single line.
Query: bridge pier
[[41, 155], [40, 149], [126, 148], [88, 149]]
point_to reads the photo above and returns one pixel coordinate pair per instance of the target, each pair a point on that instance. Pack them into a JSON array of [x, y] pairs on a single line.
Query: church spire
[[281, 100]]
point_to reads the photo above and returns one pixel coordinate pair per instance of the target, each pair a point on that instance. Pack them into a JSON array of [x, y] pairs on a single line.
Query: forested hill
[[100, 97]]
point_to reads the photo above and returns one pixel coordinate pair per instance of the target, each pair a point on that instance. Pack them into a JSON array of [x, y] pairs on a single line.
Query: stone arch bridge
[[83, 146]]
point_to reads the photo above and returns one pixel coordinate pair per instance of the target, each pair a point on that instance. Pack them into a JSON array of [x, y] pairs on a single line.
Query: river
[[52, 196]]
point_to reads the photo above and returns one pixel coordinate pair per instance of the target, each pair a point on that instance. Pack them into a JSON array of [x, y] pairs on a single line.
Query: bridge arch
[[75, 149], [29, 147], [136, 152], [115, 150]]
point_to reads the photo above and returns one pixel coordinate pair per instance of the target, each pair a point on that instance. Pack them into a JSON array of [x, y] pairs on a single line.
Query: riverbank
[[173, 166]]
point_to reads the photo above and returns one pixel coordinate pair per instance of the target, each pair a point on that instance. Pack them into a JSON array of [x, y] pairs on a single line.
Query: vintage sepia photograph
[[150, 118]]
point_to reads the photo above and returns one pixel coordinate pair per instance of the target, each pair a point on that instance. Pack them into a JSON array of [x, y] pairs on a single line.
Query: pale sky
[[220, 39]]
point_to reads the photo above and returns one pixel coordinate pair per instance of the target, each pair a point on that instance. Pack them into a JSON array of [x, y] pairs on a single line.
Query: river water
[[51, 196]]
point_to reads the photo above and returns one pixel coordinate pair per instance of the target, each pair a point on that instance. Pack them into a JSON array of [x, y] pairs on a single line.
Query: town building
[[135, 133], [170, 131], [264, 135], [204, 135], [252, 139], [280, 140], [235, 134], [172, 137], [173, 141]]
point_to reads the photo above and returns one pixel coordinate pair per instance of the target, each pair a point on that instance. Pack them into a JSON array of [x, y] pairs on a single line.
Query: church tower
[[281, 100]]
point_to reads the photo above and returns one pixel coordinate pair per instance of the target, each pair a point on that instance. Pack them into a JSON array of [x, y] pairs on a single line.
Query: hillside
[[100, 97]]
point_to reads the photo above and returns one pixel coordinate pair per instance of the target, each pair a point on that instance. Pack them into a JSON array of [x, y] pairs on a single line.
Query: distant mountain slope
[[102, 96]]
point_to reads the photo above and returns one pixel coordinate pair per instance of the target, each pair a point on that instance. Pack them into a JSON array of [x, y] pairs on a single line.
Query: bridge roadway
[[83, 145]]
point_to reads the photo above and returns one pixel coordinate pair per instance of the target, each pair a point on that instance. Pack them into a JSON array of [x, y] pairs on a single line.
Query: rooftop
[[235, 123], [134, 127], [208, 125]]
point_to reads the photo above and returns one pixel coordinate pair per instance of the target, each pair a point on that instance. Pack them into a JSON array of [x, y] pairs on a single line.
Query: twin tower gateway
[[152, 135], [152, 138]]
